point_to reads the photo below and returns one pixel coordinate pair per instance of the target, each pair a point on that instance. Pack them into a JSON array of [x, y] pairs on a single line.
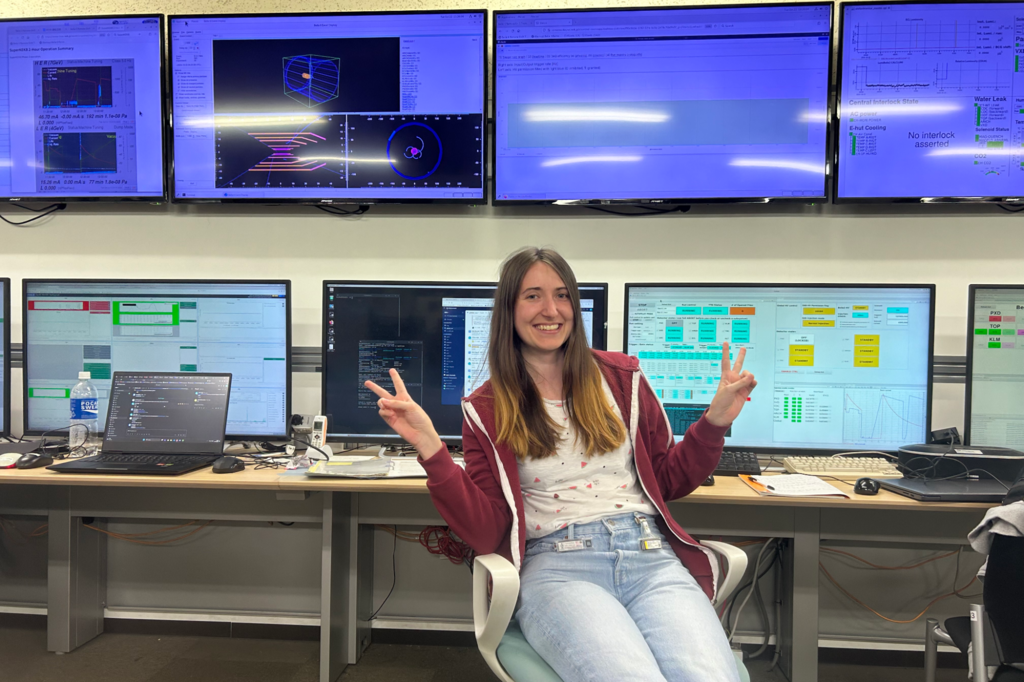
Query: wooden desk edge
[[727, 490]]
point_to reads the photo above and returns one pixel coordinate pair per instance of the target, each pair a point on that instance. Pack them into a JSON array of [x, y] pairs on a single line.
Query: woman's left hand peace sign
[[733, 389]]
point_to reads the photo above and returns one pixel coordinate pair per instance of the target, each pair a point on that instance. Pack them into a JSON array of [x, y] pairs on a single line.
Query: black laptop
[[164, 423], [956, 490]]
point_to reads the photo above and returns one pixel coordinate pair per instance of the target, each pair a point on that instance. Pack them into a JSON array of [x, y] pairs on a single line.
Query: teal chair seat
[[501, 642], [519, 659], [521, 662]]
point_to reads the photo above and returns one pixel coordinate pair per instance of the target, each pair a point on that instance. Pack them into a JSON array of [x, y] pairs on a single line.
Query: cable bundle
[[439, 540], [134, 537]]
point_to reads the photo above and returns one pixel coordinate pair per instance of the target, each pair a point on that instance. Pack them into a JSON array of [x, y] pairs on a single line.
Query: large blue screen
[[931, 101], [713, 103]]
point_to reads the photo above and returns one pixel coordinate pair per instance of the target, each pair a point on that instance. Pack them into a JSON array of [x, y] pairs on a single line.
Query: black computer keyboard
[[736, 462], [150, 459]]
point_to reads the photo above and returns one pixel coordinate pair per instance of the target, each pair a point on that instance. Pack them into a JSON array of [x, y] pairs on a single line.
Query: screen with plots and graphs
[[931, 101], [995, 366], [838, 367], [81, 108], [236, 327], [318, 108]]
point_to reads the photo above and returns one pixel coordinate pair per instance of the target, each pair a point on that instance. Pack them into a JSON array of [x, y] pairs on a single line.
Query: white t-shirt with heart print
[[567, 487]]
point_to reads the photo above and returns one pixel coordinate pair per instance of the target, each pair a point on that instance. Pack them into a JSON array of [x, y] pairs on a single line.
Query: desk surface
[[727, 489]]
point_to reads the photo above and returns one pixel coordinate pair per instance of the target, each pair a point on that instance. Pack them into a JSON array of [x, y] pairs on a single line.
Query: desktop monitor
[[858, 357], [212, 326], [663, 105], [435, 334], [928, 108], [5, 356], [81, 109], [995, 366], [329, 108]]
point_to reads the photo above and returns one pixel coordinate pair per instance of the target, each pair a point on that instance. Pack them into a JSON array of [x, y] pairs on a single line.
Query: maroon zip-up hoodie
[[483, 503]]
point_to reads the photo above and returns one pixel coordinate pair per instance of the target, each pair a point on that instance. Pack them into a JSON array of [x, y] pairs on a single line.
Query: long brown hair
[[523, 423]]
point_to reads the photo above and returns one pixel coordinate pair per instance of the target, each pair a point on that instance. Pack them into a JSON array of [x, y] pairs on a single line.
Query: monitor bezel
[[327, 201], [393, 438], [785, 451], [5, 312], [829, 106], [972, 291], [28, 282], [148, 198], [837, 127]]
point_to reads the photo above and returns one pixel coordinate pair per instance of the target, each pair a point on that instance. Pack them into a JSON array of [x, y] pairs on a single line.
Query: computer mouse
[[228, 465], [32, 461], [710, 480], [866, 486]]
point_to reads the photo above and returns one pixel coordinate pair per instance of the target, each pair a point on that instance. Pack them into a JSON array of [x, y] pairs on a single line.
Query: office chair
[[996, 629], [502, 643]]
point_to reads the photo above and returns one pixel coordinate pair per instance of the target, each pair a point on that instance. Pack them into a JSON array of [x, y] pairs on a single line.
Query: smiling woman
[[538, 351], [570, 461]]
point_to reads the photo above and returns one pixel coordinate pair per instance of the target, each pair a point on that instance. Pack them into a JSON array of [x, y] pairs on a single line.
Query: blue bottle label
[[84, 408]]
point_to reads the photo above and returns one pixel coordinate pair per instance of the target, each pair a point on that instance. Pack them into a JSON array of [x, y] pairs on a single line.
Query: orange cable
[[887, 568], [125, 536], [892, 620], [151, 543]]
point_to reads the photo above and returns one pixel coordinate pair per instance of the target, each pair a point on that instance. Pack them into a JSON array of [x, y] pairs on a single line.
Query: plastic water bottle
[[84, 413]]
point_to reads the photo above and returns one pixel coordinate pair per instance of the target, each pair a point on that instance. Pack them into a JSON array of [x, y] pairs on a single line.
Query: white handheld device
[[318, 435]]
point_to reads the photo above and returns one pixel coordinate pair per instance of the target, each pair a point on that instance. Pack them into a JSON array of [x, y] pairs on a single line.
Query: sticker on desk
[[966, 451]]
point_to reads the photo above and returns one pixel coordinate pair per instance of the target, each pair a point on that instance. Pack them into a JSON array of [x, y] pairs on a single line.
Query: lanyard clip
[[647, 539]]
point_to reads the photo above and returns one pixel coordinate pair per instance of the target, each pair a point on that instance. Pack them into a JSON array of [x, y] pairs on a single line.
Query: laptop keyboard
[[151, 459]]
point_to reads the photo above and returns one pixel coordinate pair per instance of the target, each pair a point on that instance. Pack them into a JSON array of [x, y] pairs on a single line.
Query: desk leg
[[360, 589], [336, 556], [76, 576], [799, 628]]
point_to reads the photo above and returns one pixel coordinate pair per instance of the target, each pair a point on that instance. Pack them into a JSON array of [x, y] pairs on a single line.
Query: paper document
[[371, 467], [792, 485]]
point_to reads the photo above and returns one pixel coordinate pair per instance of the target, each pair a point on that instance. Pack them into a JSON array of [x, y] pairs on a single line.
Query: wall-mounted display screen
[[701, 104], [319, 108], [931, 102], [81, 108]]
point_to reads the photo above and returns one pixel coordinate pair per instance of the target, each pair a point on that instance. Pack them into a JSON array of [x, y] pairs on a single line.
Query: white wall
[[951, 247]]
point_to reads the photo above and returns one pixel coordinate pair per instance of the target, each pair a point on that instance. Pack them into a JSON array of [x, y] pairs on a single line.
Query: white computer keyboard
[[850, 468]]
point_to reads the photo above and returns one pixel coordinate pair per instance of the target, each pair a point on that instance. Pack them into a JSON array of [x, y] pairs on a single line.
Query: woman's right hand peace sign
[[407, 418]]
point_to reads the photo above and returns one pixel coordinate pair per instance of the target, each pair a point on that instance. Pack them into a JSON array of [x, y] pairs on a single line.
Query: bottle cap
[[84, 376]]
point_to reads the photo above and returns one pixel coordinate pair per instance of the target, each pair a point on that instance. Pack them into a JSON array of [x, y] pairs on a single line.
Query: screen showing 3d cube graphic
[[311, 79], [355, 107]]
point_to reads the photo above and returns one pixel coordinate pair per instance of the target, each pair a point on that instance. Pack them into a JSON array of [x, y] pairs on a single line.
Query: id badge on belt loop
[[647, 539], [573, 545]]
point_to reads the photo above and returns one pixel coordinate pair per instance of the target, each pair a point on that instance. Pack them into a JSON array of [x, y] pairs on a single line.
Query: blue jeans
[[615, 612]]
